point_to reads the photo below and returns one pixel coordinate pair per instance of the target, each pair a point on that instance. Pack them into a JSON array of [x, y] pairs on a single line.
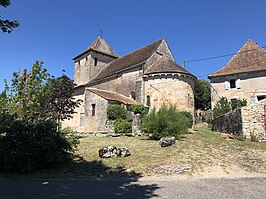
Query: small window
[[232, 83], [82, 119], [95, 61], [93, 109], [148, 100], [261, 97], [133, 95]]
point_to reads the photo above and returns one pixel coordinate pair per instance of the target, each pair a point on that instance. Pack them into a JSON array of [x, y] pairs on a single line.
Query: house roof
[[108, 95], [101, 46], [132, 59], [251, 57], [165, 65]]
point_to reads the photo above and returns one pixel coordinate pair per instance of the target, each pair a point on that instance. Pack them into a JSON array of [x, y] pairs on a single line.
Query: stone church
[[148, 76]]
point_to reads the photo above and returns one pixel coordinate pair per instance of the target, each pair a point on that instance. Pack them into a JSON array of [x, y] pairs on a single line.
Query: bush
[[165, 122], [221, 107], [189, 116], [28, 146], [123, 126], [116, 111], [139, 109], [236, 103]]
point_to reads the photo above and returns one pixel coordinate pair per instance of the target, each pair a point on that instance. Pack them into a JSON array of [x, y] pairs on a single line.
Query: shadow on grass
[[80, 179]]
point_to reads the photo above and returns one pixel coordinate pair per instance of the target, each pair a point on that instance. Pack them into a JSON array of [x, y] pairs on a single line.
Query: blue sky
[[54, 31]]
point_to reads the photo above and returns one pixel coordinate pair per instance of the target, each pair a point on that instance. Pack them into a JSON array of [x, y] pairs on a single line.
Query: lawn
[[195, 152], [198, 149]]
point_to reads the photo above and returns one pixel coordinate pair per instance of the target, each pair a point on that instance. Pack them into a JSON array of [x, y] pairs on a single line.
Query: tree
[[202, 94], [29, 135], [59, 103], [7, 25], [221, 107]]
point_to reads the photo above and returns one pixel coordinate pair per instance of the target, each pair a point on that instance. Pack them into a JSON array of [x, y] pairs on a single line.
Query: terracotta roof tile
[[112, 96], [137, 57], [165, 65], [251, 57]]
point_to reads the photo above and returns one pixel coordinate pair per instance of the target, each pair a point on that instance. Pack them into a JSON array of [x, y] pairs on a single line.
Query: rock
[[108, 152], [113, 151], [167, 141], [123, 152]]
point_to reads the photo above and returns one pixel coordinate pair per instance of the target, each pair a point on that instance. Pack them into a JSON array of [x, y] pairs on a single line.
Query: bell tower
[[91, 61]]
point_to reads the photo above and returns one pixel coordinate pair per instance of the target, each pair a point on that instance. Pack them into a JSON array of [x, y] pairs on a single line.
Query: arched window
[[148, 100], [95, 61], [133, 95]]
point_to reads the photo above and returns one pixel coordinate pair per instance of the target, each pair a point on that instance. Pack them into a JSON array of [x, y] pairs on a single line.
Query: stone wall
[[229, 123], [247, 121], [171, 89], [84, 68], [254, 120]]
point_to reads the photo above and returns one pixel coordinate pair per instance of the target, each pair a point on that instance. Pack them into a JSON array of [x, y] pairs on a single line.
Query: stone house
[[148, 76], [243, 77]]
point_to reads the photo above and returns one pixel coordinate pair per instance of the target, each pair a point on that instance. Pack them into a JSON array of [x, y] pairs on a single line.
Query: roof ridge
[[125, 62], [141, 48], [235, 61]]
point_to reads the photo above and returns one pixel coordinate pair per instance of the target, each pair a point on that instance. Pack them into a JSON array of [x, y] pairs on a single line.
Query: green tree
[[7, 25], [60, 103], [221, 107], [236, 103], [202, 94], [29, 137]]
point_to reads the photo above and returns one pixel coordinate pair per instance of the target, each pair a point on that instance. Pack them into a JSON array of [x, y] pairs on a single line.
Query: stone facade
[[146, 76], [246, 121], [251, 87], [243, 77]]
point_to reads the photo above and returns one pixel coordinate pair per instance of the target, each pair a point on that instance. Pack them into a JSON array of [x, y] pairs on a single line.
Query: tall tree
[[7, 25], [60, 103], [202, 94]]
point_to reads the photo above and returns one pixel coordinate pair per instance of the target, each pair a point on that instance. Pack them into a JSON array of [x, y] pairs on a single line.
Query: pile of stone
[[167, 141], [170, 169], [113, 151]]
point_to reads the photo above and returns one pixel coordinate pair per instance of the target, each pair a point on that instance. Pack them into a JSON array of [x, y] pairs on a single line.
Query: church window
[[95, 61], [133, 95], [93, 106], [148, 100]]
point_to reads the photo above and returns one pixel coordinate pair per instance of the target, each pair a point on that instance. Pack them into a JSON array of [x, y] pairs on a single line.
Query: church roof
[[251, 57], [130, 60], [165, 65], [109, 95], [101, 46]]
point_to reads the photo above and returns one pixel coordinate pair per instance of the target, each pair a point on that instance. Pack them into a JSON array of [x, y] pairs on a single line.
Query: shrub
[[139, 109], [189, 116], [116, 111], [28, 146], [236, 103], [123, 126], [221, 107], [165, 122]]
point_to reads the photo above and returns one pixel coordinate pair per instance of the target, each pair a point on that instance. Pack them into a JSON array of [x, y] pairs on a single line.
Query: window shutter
[[226, 85], [253, 99], [238, 84]]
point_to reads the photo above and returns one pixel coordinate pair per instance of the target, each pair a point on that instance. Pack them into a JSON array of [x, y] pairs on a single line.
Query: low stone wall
[[247, 121], [229, 123], [254, 120]]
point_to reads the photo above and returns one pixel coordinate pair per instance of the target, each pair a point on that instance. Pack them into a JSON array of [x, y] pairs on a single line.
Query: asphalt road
[[171, 187]]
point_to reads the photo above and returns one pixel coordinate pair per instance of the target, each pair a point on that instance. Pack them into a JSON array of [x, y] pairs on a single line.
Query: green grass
[[201, 148]]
